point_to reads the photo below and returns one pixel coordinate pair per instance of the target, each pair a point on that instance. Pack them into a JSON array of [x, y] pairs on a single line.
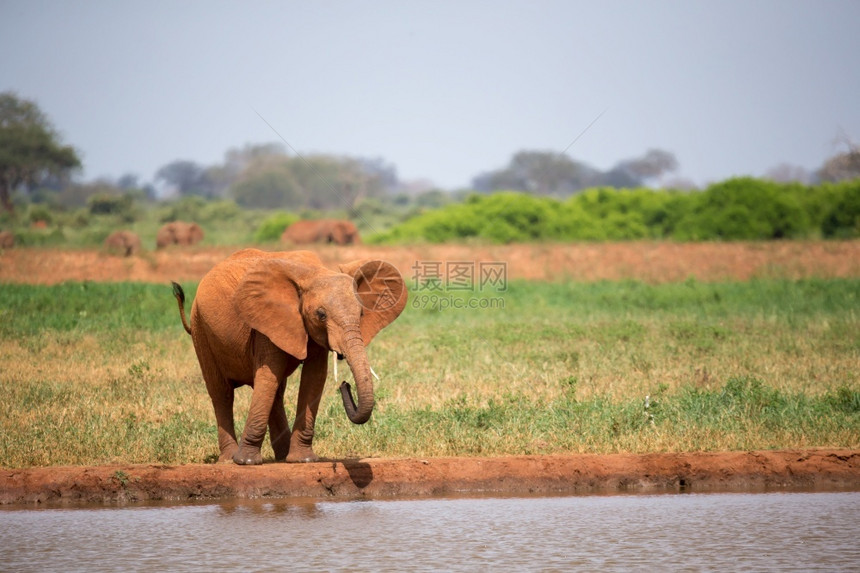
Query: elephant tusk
[[375, 375], [334, 361]]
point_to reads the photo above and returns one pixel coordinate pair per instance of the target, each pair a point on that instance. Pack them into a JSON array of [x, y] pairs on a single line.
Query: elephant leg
[[279, 426], [221, 393], [269, 381], [311, 387], [262, 399]]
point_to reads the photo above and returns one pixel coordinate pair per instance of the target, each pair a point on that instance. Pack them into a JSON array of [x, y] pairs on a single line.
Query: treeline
[[266, 177], [253, 177], [736, 209], [257, 190], [555, 174]]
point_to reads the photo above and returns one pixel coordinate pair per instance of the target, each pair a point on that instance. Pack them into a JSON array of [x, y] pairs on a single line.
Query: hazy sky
[[442, 89]]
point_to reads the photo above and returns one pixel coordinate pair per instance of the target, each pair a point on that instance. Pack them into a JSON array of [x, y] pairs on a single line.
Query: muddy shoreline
[[380, 478]]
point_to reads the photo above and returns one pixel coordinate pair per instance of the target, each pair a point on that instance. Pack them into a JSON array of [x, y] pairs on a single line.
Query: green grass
[[96, 373], [741, 414], [87, 307]]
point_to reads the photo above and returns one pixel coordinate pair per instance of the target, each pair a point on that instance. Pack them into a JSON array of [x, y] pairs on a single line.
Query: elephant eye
[[321, 314]]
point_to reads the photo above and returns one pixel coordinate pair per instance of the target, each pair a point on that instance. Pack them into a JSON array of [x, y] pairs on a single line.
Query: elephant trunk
[[356, 357]]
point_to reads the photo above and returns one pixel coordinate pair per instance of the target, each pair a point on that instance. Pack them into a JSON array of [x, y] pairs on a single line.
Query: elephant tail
[[180, 299]]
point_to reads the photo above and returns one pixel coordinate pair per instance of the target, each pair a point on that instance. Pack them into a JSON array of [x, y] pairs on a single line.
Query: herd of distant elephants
[[182, 233]]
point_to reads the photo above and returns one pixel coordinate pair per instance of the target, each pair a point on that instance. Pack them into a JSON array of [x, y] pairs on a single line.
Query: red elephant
[[337, 231], [178, 233]]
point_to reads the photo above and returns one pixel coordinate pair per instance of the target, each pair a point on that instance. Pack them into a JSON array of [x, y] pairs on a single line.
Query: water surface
[[688, 532]]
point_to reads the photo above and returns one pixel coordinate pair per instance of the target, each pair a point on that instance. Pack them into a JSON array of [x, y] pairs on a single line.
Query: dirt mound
[[653, 262], [819, 469]]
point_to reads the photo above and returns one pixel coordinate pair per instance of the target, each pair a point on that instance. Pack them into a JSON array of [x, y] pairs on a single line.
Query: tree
[[620, 177], [554, 174], [653, 164], [357, 179], [80, 195], [841, 167], [128, 181], [538, 172], [319, 182], [30, 148], [382, 172], [186, 178], [788, 173], [238, 159], [635, 172], [270, 185], [237, 163]]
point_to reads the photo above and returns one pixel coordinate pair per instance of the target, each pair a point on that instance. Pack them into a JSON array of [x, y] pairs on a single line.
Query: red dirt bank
[[651, 262], [817, 469]]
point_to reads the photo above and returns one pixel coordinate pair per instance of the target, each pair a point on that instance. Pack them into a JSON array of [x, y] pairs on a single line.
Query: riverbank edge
[[820, 469]]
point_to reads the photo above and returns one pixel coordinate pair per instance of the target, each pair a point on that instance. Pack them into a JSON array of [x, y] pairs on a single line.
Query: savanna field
[[586, 348], [615, 316]]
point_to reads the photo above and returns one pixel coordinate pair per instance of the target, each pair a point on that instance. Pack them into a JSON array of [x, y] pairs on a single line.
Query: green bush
[[218, 211], [199, 210], [842, 217], [745, 209], [272, 227], [184, 209], [371, 215], [93, 235], [77, 219], [108, 204], [50, 237], [39, 213], [508, 217], [736, 209]]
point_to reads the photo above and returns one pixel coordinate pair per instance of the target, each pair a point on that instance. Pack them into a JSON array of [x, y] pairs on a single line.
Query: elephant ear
[[381, 291], [267, 299]]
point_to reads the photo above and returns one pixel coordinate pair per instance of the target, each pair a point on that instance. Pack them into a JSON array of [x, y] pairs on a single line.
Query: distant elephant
[[7, 240], [178, 233], [258, 315], [336, 231], [125, 243]]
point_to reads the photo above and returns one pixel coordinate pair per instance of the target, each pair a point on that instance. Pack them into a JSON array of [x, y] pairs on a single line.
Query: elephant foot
[[247, 456], [302, 456], [228, 453], [251, 459]]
